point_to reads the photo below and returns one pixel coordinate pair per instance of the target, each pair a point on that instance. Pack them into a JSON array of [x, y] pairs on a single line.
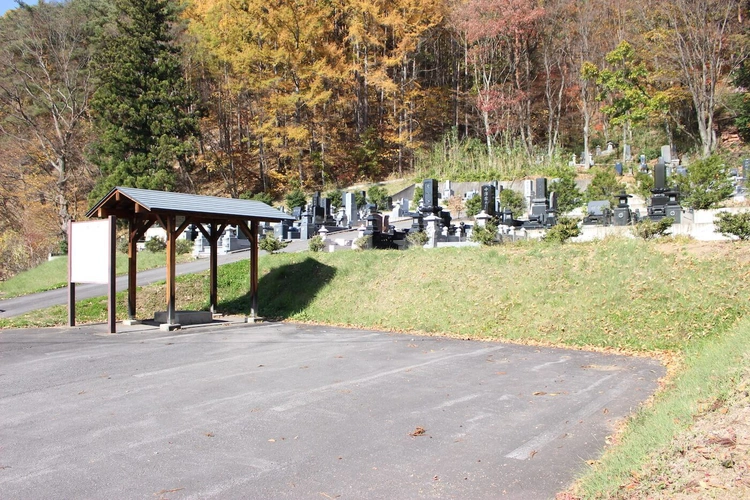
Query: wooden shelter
[[174, 212]]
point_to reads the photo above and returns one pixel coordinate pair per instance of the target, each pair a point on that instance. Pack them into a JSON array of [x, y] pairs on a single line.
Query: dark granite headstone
[[541, 188], [618, 168], [539, 202], [488, 199], [430, 195], [660, 178]]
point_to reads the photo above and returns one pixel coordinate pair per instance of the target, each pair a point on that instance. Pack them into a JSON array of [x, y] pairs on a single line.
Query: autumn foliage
[[328, 93]]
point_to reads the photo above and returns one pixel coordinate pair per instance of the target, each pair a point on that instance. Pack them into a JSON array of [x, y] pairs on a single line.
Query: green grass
[[54, 274], [618, 294], [711, 370]]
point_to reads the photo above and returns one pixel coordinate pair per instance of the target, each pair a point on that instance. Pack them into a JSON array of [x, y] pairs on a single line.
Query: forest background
[[248, 98]]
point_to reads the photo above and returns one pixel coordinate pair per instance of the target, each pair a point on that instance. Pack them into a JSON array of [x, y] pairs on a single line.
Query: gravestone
[[528, 192], [430, 196], [660, 177], [626, 152], [374, 220], [417, 222], [666, 154], [664, 202], [447, 191], [350, 209], [307, 225], [281, 230], [618, 168], [597, 213], [498, 190], [404, 207], [622, 210], [488, 199], [550, 217], [539, 203]]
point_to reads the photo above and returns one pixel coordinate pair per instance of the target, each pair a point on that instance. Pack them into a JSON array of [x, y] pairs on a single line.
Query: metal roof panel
[[165, 201]]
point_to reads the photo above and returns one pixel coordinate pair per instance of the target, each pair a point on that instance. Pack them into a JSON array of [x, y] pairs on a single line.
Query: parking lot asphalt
[[280, 410]]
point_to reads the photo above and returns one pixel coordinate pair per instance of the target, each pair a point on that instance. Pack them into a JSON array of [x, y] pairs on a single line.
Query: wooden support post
[[112, 271], [132, 266], [214, 234], [71, 285], [213, 268], [171, 268], [254, 270]]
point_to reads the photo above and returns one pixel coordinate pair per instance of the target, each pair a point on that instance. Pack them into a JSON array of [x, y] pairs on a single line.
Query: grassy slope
[[614, 294], [712, 368]]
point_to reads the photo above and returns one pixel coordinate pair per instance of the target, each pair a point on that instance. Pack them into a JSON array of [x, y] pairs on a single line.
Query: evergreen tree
[[142, 108]]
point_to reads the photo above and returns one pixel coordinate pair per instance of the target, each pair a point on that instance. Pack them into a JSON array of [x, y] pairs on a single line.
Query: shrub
[[473, 205], [604, 186], [295, 198], [155, 244], [486, 235], [336, 197], [184, 246], [565, 187], [417, 238], [271, 245], [513, 200], [363, 243], [316, 244], [706, 184], [730, 224], [648, 229], [644, 183], [565, 229], [455, 206], [262, 196], [62, 247], [377, 195], [360, 199], [122, 244], [418, 195]]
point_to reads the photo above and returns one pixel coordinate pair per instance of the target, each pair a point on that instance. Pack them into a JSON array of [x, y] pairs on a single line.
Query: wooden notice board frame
[[91, 259]]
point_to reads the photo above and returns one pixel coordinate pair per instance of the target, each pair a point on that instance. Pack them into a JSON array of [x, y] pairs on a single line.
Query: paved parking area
[[293, 411]]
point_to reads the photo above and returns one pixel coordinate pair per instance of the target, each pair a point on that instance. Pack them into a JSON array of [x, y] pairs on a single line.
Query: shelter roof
[[124, 201]]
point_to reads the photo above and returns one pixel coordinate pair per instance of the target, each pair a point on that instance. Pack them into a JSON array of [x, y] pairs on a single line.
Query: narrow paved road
[[26, 303]]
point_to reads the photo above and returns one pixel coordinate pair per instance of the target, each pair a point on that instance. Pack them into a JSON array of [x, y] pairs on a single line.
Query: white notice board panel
[[88, 251]]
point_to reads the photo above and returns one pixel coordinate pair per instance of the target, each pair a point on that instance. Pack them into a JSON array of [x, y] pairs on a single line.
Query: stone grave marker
[[350, 209], [666, 154], [488, 199]]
